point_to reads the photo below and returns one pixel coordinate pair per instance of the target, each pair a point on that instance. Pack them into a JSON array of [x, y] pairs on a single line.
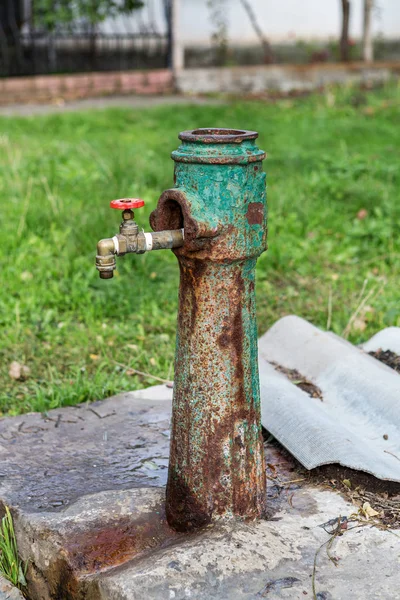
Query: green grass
[[329, 156], [11, 567]]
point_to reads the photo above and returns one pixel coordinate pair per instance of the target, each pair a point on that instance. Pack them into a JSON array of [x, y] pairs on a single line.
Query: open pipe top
[[217, 135], [218, 146]]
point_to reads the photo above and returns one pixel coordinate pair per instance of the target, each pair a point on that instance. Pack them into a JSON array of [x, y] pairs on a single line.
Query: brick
[[44, 88]]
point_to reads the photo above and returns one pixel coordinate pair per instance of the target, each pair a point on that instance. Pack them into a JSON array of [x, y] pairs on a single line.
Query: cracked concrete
[[86, 488], [8, 591], [50, 461]]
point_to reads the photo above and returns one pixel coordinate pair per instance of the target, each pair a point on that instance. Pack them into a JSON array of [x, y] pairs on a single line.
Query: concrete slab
[[270, 559], [48, 461], [86, 488], [8, 591], [85, 485]]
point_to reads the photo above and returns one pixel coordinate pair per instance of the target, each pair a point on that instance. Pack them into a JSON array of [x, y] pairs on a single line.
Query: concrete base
[[86, 489], [270, 559], [8, 591]]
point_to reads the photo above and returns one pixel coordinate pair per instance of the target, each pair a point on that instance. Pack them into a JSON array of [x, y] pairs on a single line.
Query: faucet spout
[[105, 258]]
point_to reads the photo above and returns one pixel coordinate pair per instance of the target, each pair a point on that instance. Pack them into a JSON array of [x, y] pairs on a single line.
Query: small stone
[[18, 371], [26, 276], [9, 591]]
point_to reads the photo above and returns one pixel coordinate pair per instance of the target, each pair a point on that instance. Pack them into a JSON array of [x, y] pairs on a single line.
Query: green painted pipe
[[216, 464]]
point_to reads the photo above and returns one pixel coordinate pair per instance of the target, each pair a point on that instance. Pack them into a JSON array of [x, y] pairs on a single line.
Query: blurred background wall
[[283, 20], [64, 36]]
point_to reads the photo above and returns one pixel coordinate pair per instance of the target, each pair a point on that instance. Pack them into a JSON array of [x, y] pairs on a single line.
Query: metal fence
[[138, 41]]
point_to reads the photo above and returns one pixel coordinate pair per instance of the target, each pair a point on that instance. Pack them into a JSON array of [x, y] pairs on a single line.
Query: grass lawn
[[334, 247]]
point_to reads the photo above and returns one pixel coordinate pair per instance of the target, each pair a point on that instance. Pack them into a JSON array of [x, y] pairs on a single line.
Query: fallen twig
[[329, 320], [143, 374], [373, 292], [280, 483], [328, 543]]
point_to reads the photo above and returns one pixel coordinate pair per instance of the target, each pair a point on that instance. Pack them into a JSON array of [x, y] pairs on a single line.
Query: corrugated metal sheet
[[356, 424]]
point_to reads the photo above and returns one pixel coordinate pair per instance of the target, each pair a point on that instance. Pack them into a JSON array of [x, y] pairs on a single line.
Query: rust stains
[[104, 546], [224, 338], [227, 159], [174, 212], [247, 449], [190, 272], [186, 513], [217, 135], [255, 213], [216, 460]]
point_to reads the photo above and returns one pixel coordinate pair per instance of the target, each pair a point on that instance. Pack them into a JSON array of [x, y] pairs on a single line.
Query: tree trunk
[[368, 48], [177, 49], [268, 57], [344, 38], [168, 22]]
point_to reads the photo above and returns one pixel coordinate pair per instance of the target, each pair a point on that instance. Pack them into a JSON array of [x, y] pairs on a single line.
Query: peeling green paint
[[216, 463]]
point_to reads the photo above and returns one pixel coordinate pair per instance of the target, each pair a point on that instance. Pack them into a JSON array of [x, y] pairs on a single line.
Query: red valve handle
[[125, 203]]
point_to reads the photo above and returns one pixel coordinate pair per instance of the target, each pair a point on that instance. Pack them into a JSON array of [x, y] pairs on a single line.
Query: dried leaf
[[132, 346], [94, 356], [368, 511], [359, 324], [369, 111]]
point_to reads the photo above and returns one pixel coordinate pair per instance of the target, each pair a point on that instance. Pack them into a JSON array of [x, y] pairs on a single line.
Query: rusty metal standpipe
[[216, 466]]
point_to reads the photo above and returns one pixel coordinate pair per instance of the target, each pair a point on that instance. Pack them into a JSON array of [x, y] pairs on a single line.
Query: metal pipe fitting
[[159, 240], [105, 258], [131, 240]]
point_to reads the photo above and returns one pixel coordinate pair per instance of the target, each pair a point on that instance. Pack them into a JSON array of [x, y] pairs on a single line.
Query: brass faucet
[[130, 239]]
